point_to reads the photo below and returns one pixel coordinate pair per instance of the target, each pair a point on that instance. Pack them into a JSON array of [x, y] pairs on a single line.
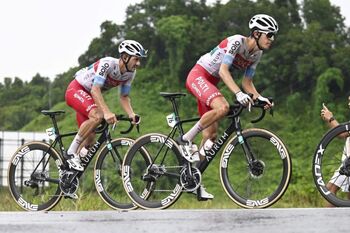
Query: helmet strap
[[126, 63], [257, 39]]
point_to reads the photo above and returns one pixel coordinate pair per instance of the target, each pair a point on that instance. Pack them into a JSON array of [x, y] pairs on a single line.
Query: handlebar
[[236, 109], [104, 125]]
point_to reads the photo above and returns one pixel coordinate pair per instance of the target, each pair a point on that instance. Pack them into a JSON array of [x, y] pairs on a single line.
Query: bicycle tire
[[35, 190], [247, 188], [327, 159], [162, 187], [107, 173]]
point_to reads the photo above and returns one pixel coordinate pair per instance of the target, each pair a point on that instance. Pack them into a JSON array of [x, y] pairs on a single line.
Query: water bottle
[[207, 146]]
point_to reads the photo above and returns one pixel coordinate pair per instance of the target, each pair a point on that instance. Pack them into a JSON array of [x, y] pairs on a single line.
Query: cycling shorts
[[80, 100], [203, 86]]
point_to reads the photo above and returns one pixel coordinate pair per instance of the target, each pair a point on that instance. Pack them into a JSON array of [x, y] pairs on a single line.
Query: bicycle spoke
[[155, 185], [34, 175], [259, 182]]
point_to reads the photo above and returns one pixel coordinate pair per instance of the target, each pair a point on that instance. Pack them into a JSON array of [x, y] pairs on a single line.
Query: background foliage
[[308, 65]]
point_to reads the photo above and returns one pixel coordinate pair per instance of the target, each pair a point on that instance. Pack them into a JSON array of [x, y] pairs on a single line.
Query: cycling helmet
[[132, 48], [263, 23]]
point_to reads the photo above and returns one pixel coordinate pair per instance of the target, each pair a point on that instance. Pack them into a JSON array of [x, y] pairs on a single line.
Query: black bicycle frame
[[235, 126], [104, 137]]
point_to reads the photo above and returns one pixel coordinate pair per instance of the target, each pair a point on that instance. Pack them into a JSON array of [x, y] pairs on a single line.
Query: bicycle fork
[[255, 166]]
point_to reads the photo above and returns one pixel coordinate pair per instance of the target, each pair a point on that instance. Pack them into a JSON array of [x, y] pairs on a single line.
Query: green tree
[[329, 84], [174, 30], [105, 45], [325, 14]]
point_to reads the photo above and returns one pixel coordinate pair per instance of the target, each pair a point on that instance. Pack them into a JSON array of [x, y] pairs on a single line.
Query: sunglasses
[[270, 35]]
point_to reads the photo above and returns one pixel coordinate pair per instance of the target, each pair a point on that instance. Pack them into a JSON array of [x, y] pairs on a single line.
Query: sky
[[47, 37]]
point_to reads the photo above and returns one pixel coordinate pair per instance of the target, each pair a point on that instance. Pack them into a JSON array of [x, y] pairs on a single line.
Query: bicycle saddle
[[172, 95]]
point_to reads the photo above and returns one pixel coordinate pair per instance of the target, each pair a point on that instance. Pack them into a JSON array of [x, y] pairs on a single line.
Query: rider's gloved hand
[[243, 98], [136, 119], [266, 100]]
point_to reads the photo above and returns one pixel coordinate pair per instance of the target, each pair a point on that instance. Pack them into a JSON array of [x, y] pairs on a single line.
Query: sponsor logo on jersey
[[234, 47], [240, 62], [103, 69]]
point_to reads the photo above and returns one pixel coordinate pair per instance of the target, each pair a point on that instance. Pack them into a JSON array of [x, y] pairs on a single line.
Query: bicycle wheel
[[259, 183], [155, 185], [108, 170], [331, 165], [33, 176]]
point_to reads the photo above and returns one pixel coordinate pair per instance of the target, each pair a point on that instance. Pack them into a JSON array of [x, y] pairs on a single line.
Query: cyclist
[[239, 52], [84, 94], [337, 181]]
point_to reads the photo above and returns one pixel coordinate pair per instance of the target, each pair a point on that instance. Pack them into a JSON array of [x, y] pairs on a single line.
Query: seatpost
[[177, 116], [53, 119]]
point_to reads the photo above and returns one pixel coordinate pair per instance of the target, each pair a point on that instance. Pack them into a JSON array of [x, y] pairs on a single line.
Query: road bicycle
[[39, 175], [255, 166], [331, 164]]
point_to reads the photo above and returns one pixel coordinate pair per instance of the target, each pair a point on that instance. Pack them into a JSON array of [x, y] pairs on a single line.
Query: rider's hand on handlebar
[[243, 98], [110, 118], [136, 119], [267, 101]]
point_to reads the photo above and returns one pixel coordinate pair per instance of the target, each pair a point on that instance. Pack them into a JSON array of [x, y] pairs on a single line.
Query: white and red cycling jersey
[[104, 73], [203, 79], [232, 51]]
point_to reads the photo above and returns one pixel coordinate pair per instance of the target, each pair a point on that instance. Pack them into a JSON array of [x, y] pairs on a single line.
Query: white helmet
[[264, 23], [132, 48]]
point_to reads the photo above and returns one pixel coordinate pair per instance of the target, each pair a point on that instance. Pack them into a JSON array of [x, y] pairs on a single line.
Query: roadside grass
[[92, 201]]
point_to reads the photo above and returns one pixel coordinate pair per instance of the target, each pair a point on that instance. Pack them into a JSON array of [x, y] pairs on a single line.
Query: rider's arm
[[248, 86], [125, 101], [227, 78], [96, 94], [126, 105]]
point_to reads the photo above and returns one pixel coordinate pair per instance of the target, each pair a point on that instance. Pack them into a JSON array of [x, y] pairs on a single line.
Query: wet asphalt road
[[138, 221]]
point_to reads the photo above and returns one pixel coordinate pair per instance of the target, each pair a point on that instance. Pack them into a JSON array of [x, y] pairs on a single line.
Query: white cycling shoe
[[203, 194], [189, 150], [75, 163]]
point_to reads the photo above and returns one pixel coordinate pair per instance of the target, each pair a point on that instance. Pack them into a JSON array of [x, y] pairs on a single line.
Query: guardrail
[[9, 142]]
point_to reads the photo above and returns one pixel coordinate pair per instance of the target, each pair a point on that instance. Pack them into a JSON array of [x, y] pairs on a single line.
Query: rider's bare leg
[[88, 142], [220, 108], [87, 128]]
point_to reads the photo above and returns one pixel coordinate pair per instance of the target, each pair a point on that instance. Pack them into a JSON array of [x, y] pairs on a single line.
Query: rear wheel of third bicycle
[[155, 185], [33, 176], [263, 182]]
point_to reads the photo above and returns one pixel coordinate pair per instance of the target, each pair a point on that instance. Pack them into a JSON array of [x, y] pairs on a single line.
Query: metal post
[[1, 161]]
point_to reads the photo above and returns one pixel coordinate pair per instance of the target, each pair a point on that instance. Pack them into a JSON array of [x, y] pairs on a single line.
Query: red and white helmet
[[132, 48], [263, 23]]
